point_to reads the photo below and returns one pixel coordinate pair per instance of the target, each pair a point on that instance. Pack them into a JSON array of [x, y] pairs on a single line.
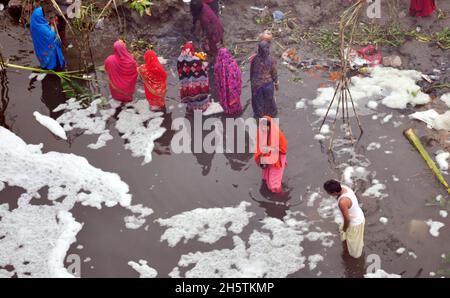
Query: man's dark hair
[[332, 186]]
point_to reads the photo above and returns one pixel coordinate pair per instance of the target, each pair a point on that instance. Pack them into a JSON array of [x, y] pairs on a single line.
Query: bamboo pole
[[412, 137], [67, 75]]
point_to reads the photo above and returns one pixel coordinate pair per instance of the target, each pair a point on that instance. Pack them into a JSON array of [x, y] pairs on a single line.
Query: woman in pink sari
[[122, 72], [270, 155], [227, 76]]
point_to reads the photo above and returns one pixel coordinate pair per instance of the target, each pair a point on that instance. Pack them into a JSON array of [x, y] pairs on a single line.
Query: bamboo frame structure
[[348, 23]]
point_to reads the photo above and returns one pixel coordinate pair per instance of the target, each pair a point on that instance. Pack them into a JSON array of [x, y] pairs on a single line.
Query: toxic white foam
[[50, 124], [380, 273], [137, 220], [144, 270], [35, 238], [209, 225], [394, 88], [442, 160], [276, 252], [91, 120], [446, 98], [435, 226], [140, 127]]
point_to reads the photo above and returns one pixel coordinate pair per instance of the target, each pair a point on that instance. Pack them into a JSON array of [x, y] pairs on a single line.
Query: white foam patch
[[137, 220], [328, 208], [380, 273], [442, 160], [353, 174], [442, 121], [383, 220], [50, 124], [412, 254], [209, 225], [301, 104], [375, 191], [434, 226], [443, 213], [2, 185], [373, 146], [272, 254], [325, 129], [144, 270], [393, 87], [140, 127], [387, 118], [91, 120], [401, 250], [319, 137], [37, 237], [446, 98], [312, 198], [314, 260], [372, 104], [324, 237]]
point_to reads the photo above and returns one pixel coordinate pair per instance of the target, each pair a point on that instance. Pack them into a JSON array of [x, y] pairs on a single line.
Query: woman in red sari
[[122, 73], [155, 80], [422, 8], [270, 155]]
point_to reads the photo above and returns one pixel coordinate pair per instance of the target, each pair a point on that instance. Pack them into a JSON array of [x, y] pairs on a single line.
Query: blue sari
[[47, 45]]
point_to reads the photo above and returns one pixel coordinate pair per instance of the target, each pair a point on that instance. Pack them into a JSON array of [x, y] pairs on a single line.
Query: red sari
[[422, 8], [155, 80]]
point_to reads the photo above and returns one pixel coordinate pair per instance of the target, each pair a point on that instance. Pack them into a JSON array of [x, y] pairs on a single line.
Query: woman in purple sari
[[264, 79], [227, 76]]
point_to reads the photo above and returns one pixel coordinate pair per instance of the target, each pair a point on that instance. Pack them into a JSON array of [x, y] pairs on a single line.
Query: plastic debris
[[427, 116], [278, 16]]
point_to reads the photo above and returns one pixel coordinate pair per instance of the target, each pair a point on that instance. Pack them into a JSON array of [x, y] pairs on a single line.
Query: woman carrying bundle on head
[[155, 80], [227, 77], [47, 45], [270, 155], [122, 72], [193, 75]]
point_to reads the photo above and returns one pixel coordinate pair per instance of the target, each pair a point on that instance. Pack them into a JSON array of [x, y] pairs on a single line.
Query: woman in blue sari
[[47, 45]]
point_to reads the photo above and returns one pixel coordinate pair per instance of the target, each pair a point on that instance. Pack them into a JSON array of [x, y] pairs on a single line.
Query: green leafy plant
[[141, 6]]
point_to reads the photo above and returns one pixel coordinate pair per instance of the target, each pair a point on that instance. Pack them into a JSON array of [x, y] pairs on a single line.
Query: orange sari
[[155, 80], [273, 173]]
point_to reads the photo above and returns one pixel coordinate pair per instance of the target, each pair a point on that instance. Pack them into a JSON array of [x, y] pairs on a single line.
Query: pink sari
[[273, 176], [122, 72]]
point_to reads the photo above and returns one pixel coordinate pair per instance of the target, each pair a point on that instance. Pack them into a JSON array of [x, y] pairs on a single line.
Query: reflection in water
[[162, 145], [275, 205], [354, 268], [53, 94], [4, 98]]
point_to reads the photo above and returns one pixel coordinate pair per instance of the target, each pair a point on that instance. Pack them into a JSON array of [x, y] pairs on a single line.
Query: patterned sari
[[155, 80], [193, 75]]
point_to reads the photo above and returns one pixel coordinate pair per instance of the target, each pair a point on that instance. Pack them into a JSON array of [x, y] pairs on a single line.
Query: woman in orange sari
[[155, 80], [270, 155]]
